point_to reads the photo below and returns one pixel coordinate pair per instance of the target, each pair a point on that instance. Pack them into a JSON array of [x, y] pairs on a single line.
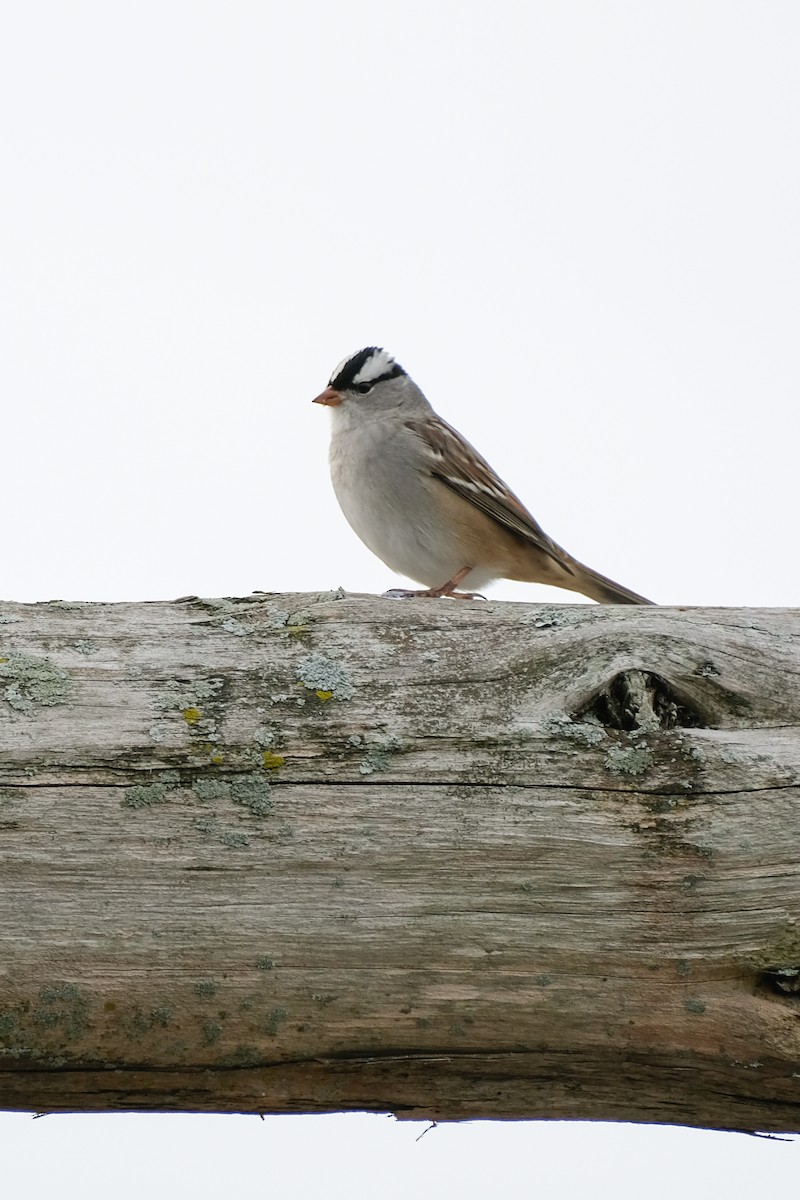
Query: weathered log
[[451, 860]]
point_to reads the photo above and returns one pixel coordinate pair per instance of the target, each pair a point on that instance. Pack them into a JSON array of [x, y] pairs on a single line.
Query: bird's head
[[369, 383]]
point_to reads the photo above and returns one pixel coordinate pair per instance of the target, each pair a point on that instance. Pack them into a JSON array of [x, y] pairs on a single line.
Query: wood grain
[[300, 853]]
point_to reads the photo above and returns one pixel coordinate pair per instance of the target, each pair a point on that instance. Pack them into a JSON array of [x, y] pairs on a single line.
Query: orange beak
[[330, 397]]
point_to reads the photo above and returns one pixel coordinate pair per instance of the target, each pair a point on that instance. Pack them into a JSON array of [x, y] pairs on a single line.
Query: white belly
[[396, 511]]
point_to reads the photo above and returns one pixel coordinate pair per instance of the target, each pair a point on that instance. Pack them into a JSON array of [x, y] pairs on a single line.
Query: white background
[[576, 223]]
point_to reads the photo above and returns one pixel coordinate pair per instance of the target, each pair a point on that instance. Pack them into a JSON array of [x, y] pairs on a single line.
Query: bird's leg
[[445, 589]]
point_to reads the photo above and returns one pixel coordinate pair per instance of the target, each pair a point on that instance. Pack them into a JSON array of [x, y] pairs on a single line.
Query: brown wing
[[460, 467]]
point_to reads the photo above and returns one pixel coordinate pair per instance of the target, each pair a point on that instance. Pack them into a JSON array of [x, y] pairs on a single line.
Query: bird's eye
[[362, 388]]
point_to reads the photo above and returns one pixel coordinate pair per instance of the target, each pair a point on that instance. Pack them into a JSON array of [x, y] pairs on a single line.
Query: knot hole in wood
[[641, 700]]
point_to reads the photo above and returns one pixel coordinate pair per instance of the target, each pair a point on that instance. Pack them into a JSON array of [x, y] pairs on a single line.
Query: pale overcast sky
[[575, 222]]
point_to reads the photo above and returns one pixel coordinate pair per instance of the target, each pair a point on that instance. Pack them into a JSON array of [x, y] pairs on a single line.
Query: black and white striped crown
[[370, 365]]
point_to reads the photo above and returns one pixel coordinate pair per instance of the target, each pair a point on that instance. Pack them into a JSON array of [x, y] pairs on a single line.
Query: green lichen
[[208, 790], [141, 1023], [263, 738], [253, 793], [264, 963], [146, 795], [375, 760], [206, 988], [8, 1023], [584, 732], [322, 675], [211, 1033], [546, 616], [277, 618], [27, 680], [272, 762], [235, 841], [194, 694], [86, 646], [276, 1018], [231, 625], [629, 760], [692, 1005], [242, 1056], [64, 1007], [212, 752]]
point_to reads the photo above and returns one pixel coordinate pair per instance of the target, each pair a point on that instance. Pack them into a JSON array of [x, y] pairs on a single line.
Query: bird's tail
[[598, 587]]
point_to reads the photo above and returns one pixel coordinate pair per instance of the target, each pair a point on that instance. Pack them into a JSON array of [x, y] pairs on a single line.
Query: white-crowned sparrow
[[425, 502]]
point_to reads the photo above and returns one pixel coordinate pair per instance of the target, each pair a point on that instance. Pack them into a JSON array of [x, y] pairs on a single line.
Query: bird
[[423, 499]]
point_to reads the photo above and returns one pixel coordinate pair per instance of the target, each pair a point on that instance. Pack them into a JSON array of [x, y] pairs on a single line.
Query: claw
[[430, 593]]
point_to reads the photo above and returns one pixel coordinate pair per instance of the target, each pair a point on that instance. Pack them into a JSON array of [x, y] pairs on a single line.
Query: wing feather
[[458, 465]]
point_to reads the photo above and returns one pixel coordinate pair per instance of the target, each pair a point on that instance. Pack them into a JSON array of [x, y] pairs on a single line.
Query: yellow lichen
[[323, 695], [272, 761], [191, 715]]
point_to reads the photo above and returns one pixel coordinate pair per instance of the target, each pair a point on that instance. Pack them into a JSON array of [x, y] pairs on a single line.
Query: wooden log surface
[[313, 853]]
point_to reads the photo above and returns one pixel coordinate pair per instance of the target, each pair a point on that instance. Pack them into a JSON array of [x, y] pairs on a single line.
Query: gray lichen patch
[[374, 760], [232, 625], [86, 646], [140, 1023], [548, 616], [63, 1006], [27, 680], [253, 793], [586, 733], [277, 618], [145, 795], [191, 695], [206, 988], [264, 738], [234, 841], [209, 790], [8, 1023], [629, 760], [276, 1018], [241, 1056], [325, 677]]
